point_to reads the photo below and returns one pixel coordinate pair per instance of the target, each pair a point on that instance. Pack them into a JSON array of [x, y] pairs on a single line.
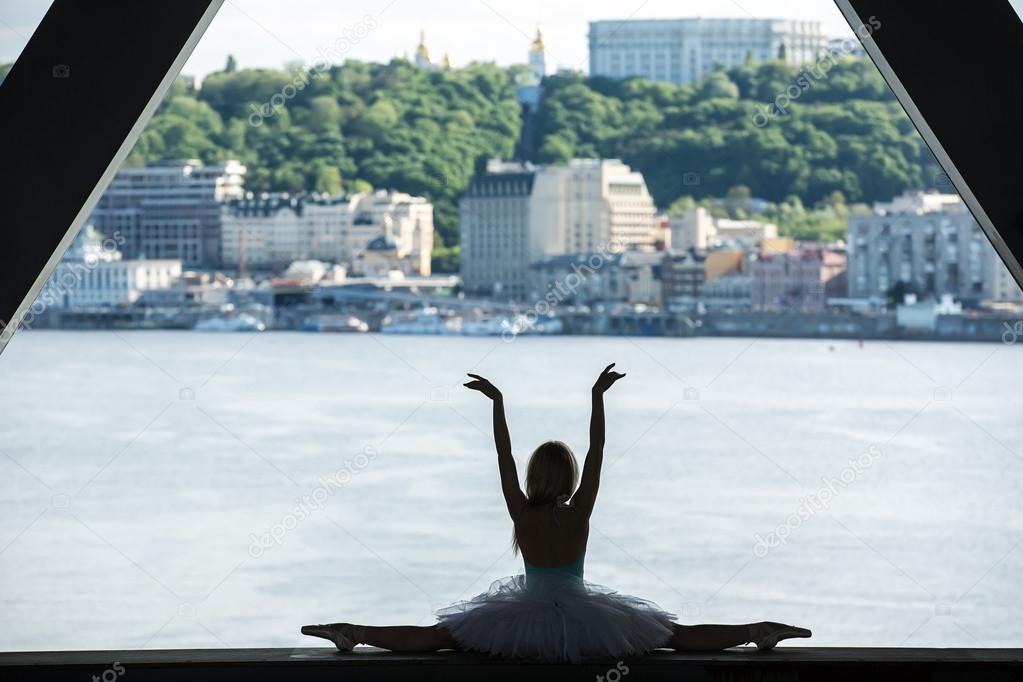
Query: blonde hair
[[551, 477]]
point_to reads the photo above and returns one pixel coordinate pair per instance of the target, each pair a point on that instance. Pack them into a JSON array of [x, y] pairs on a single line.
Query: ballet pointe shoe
[[341, 634], [767, 635]]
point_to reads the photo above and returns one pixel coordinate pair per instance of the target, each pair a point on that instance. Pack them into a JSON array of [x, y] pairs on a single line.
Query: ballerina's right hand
[[483, 386]]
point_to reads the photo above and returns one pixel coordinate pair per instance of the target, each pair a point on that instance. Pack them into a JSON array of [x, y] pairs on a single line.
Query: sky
[[272, 33]]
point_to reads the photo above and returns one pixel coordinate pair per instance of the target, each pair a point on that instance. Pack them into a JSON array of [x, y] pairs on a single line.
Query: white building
[[696, 228], [93, 274], [272, 230], [846, 47], [600, 202], [170, 209], [685, 50], [516, 214], [932, 245]]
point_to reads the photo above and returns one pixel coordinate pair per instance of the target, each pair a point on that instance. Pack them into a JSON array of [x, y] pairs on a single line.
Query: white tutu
[[556, 617]]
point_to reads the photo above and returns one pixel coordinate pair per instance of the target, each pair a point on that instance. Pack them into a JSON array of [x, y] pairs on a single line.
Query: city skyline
[[261, 33]]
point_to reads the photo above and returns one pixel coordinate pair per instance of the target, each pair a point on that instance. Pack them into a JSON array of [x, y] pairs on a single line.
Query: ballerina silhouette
[[550, 612]]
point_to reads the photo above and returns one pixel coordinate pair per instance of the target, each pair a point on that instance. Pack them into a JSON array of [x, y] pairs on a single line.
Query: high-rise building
[[930, 243], [685, 50], [601, 203], [170, 209], [270, 231], [499, 238], [515, 214]]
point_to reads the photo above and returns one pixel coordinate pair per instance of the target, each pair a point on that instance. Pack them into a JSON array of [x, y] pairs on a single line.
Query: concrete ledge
[[786, 663]]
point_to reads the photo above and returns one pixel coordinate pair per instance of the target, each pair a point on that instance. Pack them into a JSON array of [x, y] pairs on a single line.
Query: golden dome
[[538, 45], [421, 50]]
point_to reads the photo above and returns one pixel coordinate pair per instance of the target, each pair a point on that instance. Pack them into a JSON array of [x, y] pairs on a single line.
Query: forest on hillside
[[838, 140]]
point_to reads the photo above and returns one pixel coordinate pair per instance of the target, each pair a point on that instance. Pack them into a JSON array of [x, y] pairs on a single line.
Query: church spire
[[537, 56], [422, 52], [538, 45]]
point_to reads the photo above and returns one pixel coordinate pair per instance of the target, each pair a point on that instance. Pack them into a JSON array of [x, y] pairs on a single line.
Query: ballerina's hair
[[551, 477]]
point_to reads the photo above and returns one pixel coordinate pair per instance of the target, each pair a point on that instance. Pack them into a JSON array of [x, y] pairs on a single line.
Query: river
[[176, 489]]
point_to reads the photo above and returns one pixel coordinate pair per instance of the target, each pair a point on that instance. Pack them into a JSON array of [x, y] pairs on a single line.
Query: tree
[[719, 85], [738, 198], [328, 179], [355, 126]]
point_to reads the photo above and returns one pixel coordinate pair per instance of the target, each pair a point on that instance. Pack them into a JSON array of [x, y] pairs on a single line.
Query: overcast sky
[[274, 32]]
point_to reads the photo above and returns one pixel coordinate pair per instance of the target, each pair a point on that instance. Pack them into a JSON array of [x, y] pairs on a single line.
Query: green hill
[[843, 138]]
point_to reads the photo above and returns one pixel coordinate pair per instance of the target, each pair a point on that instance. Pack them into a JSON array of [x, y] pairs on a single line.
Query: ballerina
[[550, 612]]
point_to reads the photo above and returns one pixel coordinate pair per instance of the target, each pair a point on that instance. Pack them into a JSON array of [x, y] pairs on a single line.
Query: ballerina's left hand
[[606, 379], [483, 386]]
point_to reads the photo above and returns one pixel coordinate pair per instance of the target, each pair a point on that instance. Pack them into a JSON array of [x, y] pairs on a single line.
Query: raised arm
[[586, 496], [513, 495]]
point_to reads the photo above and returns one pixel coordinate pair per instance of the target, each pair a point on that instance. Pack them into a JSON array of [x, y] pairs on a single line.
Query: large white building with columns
[[685, 50]]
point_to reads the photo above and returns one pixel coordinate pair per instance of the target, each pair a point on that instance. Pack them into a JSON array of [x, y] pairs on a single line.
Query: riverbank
[[972, 327]]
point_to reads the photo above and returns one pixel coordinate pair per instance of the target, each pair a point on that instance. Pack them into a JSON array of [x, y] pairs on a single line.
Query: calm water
[[139, 467]]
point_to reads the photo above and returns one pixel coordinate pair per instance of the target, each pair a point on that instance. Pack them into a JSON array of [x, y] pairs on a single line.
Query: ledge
[[796, 663]]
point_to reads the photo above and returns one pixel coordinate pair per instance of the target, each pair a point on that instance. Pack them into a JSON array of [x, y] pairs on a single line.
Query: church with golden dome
[[537, 59]]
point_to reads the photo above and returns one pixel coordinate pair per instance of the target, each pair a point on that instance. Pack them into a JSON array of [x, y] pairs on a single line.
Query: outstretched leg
[[407, 638], [714, 637]]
